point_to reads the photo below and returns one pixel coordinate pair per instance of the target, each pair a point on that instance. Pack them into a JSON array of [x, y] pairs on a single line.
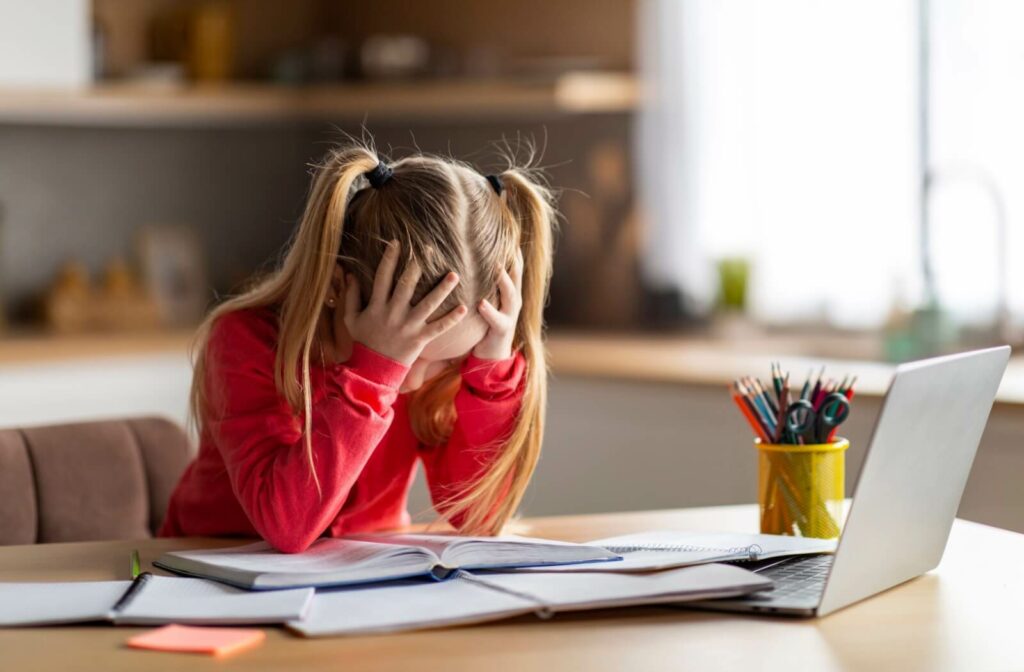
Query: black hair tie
[[379, 176], [496, 184]]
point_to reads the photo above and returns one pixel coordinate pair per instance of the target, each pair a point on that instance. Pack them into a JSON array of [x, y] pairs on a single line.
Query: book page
[[434, 543], [197, 601], [51, 603], [407, 605]]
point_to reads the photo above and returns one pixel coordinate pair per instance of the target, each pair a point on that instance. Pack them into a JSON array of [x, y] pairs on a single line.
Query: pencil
[[753, 409], [777, 380], [758, 407], [780, 425], [817, 385], [848, 392], [764, 395], [754, 424]]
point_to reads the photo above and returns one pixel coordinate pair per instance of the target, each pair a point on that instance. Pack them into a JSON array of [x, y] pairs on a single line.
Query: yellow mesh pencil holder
[[801, 488]]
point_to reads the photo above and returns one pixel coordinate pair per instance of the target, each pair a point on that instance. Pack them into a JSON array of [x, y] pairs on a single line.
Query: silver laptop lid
[[914, 473]]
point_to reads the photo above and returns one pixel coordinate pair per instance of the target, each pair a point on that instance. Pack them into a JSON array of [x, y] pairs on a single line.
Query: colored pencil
[[754, 424]]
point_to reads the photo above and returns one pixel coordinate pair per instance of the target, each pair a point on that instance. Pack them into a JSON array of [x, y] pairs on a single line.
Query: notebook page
[[647, 551], [407, 606], [502, 551], [560, 591], [197, 601], [325, 562], [50, 603]]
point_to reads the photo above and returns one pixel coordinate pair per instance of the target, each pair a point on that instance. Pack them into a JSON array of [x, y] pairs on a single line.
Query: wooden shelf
[[30, 348], [135, 105]]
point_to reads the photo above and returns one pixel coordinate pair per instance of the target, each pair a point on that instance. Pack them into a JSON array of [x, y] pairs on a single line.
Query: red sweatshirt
[[252, 476]]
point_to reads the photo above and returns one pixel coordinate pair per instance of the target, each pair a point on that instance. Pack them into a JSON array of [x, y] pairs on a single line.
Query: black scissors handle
[[832, 412], [800, 418], [816, 425]]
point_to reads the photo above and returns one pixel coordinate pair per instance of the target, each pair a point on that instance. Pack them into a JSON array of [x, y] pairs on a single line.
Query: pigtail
[[487, 505], [300, 287]]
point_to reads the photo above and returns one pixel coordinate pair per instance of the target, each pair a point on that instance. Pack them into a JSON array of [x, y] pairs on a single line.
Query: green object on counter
[[733, 275]]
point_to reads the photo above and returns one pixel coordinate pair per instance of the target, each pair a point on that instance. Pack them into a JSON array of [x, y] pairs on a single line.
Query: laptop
[[907, 495]]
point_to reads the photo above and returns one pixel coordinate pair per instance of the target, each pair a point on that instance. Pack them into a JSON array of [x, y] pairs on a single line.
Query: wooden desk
[[964, 615]]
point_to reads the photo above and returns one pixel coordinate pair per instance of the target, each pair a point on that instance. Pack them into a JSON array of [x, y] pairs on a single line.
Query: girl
[[404, 323]]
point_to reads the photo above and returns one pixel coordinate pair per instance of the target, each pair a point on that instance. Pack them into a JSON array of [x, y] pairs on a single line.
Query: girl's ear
[[336, 290]]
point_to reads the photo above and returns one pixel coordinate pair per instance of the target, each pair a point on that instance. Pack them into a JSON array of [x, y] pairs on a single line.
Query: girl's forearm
[[267, 459]]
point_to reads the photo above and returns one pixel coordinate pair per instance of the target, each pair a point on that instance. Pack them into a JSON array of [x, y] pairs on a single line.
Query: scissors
[[802, 420]]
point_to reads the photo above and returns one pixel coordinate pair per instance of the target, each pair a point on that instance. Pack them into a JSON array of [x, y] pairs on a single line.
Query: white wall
[[45, 43], [38, 394]]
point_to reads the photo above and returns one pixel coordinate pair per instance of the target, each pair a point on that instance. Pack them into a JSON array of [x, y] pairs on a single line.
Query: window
[[787, 132]]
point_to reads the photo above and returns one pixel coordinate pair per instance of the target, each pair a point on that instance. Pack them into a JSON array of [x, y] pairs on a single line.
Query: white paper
[[197, 601], [51, 603], [561, 591], [647, 551], [407, 606]]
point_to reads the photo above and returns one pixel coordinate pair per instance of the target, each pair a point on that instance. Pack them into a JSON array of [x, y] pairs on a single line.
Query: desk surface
[[963, 615]]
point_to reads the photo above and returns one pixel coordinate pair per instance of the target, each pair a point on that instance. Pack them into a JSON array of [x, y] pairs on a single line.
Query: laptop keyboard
[[799, 578]]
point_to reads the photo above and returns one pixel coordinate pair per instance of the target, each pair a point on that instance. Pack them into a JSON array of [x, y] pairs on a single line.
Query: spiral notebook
[[156, 600], [476, 597], [650, 551]]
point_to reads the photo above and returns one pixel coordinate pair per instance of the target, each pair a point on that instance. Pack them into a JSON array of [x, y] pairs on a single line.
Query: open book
[[649, 551], [480, 597], [158, 599], [372, 558]]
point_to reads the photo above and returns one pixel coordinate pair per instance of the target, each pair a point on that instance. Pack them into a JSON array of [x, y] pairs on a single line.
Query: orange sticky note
[[183, 638]]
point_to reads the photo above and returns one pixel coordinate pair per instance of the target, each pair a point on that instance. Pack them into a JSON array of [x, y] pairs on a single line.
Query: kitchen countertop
[[641, 358]]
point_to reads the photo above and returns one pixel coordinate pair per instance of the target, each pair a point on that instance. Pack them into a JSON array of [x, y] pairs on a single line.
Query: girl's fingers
[[445, 322], [406, 286], [509, 293], [432, 301], [352, 302], [492, 316], [385, 275]]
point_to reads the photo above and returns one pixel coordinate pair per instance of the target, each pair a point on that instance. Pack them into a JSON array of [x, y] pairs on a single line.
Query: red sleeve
[[261, 438], [486, 406]]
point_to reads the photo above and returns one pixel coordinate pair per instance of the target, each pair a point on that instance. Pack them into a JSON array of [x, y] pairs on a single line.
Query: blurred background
[[818, 183]]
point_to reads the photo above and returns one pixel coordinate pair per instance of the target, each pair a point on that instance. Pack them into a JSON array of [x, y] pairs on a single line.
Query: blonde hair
[[447, 217]]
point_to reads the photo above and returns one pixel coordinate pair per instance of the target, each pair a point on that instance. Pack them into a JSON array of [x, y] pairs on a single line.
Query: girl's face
[[445, 351], [457, 342]]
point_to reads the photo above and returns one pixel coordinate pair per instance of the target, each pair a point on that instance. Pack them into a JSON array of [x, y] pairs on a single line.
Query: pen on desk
[[137, 583]]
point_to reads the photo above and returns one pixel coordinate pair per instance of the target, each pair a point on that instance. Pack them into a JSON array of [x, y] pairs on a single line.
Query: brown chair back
[[88, 481]]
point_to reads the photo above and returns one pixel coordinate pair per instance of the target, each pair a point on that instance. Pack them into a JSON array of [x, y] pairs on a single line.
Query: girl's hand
[[501, 322], [389, 324]]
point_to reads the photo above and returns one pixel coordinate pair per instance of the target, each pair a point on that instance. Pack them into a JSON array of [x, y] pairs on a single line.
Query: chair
[[88, 481]]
